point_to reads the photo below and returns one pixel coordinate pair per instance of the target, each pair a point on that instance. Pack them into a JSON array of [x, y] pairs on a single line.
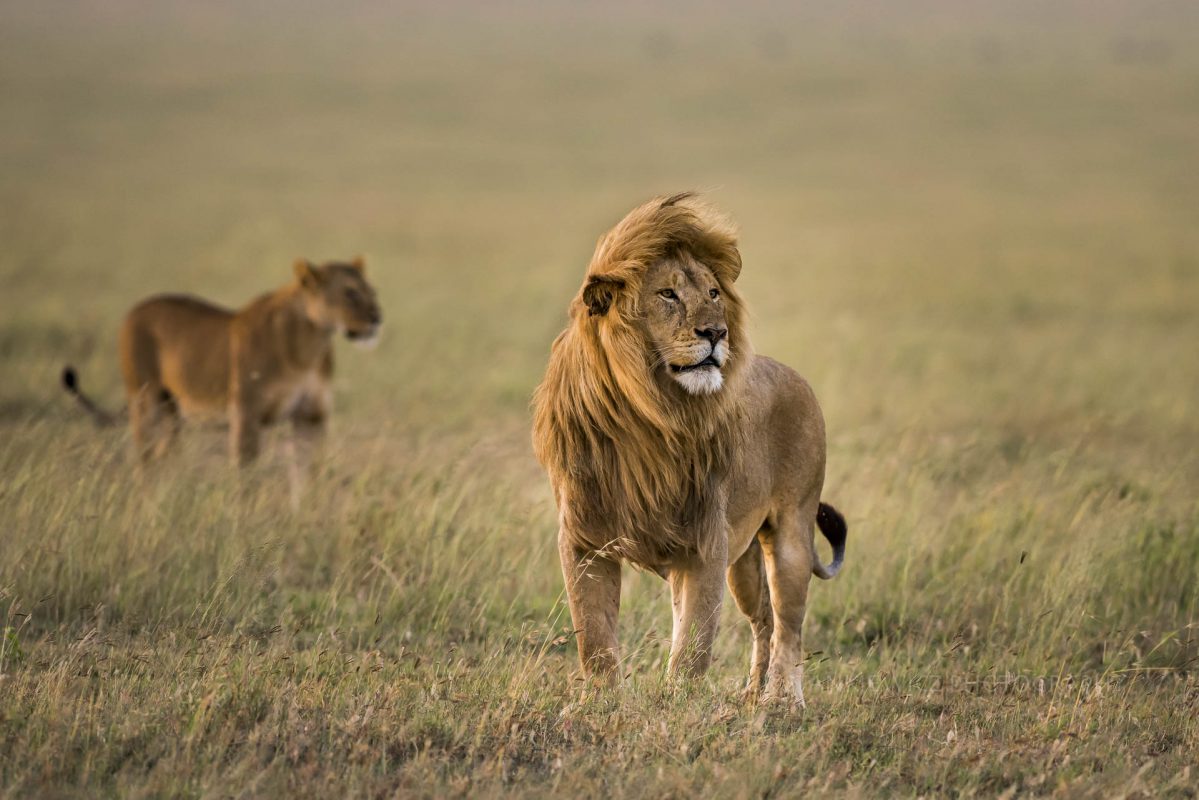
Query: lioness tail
[[833, 526], [70, 382]]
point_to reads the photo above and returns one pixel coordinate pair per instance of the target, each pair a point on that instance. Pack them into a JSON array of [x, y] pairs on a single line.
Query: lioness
[[272, 360], [672, 446]]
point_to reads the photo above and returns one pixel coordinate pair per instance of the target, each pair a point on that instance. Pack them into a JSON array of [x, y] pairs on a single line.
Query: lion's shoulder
[[779, 403], [768, 376]]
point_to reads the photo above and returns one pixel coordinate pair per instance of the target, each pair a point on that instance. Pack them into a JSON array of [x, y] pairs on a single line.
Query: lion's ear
[[735, 267], [307, 274], [359, 263], [599, 293], [725, 263]]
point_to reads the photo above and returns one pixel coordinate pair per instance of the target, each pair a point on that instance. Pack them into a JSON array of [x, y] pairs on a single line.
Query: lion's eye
[[669, 294], [714, 293]]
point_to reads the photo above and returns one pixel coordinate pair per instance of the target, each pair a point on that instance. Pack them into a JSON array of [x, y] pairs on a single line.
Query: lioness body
[[185, 358], [182, 356], [671, 445]]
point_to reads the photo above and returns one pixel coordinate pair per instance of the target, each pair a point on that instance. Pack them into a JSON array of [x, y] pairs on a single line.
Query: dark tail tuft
[[70, 382], [833, 526]]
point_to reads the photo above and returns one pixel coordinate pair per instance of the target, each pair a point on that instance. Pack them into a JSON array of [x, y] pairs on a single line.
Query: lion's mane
[[635, 460]]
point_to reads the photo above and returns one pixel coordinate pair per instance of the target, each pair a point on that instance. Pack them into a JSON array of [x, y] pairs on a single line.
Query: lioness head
[[337, 296], [664, 277]]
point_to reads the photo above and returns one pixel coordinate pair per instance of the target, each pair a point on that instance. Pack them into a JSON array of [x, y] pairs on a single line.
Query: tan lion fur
[[670, 444]]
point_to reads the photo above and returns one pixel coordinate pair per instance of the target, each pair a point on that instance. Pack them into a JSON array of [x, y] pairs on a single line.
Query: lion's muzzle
[[704, 376]]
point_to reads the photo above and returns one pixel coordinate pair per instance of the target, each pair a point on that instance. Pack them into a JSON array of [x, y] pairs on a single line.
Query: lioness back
[[181, 344]]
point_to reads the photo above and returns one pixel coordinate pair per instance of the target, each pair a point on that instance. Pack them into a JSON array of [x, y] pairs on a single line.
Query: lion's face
[[339, 297], [683, 320]]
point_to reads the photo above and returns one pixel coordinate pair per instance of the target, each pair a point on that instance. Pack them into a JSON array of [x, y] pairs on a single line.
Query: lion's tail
[[833, 526], [70, 382]]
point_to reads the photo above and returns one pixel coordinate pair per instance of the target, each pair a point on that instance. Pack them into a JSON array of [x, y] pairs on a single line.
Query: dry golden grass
[[972, 231]]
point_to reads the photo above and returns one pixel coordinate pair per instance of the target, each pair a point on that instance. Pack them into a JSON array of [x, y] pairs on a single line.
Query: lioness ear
[[599, 293], [307, 274], [359, 263]]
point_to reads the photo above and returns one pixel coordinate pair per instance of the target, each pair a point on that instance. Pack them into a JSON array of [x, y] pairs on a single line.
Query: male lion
[[272, 360], [672, 446]]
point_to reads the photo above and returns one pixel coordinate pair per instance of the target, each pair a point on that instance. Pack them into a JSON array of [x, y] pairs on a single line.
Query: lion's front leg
[[696, 592], [593, 591], [244, 433], [788, 556], [244, 424], [308, 423], [747, 582]]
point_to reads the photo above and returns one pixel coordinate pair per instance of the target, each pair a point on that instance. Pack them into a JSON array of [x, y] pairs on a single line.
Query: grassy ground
[[973, 232]]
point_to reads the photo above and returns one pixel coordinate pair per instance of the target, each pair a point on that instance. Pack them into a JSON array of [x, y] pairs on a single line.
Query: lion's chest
[[653, 519]]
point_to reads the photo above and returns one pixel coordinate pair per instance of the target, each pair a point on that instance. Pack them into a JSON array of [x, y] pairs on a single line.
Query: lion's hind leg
[[154, 421], [747, 583], [153, 411], [169, 423], [788, 559]]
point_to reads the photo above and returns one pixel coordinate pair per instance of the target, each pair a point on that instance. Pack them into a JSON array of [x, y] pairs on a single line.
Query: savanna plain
[[972, 229]]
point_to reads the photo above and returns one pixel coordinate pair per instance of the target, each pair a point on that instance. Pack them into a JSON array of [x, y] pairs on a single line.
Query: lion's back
[[170, 318], [181, 342], [783, 421]]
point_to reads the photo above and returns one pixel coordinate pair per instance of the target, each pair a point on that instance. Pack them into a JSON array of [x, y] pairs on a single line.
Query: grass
[[972, 230]]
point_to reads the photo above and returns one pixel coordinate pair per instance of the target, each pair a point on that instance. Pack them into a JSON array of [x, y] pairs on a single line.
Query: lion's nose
[[713, 335]]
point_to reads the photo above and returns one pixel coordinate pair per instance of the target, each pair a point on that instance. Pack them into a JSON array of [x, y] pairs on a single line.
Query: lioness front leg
[[243, 434], [788, 557], [304, 447], [593, 591], [696, 592], [244, 420]]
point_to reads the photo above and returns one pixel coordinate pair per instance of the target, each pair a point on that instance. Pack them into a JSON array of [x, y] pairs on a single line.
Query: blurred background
[[1001, 195], [971, 226]]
